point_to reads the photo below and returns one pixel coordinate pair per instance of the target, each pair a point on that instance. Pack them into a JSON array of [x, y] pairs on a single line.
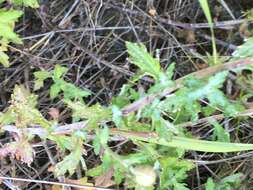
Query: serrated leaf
[[173, 168], [55, 89], [170, 70], [226, 183], [244, 51], [96, 171], [59, 71], [116, 115], [136, 158], [218, 99], [4, 59], [8, 117], [40, 77], [63, 142], [104, 136], [26, 3], [9, 16], [7, 22], [219, 132], [31, 3], [107, 162], [6, 32], [210, 185], [71, 161], [231, 181], [70, 91], [96, 144], [141, 58], [38, 84], [93, 113], [23, 105]]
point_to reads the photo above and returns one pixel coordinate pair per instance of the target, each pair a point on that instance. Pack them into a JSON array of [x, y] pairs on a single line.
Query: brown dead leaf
[[56, 187], [190, 36], [105, 180], [152, 12], [244, 30], [54, 113], [51, 168], [202, 65], [21, 150], [81, 181]]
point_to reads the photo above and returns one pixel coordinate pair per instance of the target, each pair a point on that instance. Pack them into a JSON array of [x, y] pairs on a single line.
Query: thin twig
[[248, 112], [54, 183]]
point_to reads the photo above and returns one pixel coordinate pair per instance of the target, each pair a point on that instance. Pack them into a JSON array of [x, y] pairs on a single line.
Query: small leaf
[[210, 185], [116, 115], [104, 136], [7, 22], [170, 71], [4, 59], [6, 32], [105, 180], [244, 51], [71, 161], [107, 162], [68, 164], [31, 3], [59, 71], [9, 16], [141, 58], [173, 168], [26, 3], [227, 183], [219, 132], [231, 181], [70, 91], [63, 142], [93, 113], [40, 77], [55, 89], [96, 143], [81, 181], [7, 117], [96, 171]]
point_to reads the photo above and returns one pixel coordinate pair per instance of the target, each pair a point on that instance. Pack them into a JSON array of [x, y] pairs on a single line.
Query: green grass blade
[[204, 5], [208, 146], [196, 145]]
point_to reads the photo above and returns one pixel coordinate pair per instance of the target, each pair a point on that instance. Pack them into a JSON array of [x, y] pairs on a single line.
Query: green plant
[[8, 17], [204, 5], [69, 90], [227, 183], [160, 144]]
